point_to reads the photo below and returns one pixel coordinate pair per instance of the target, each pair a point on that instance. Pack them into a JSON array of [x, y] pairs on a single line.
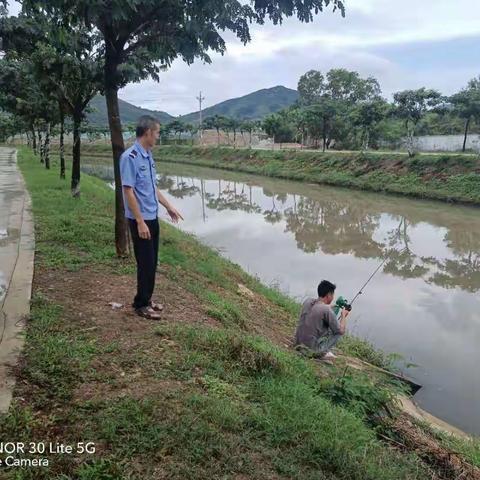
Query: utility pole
[[200, 100]]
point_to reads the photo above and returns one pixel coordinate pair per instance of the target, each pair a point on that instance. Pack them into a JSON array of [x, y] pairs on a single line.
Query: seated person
[[318, 327]]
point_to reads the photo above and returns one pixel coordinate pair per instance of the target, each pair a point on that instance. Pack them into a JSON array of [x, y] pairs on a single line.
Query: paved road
[[16, 268]]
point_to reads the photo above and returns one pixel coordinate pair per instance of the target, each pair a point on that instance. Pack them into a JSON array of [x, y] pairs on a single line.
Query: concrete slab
[[17, 249]]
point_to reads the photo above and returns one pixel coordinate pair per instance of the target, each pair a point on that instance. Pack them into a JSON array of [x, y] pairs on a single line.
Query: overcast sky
[[404, 44]]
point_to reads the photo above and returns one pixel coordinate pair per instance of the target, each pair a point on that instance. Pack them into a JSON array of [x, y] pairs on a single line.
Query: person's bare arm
[[343, 321], [143, 230], [338, 326], [175, 215]]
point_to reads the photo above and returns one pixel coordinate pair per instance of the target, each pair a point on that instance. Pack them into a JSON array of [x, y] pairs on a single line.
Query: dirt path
[[87, 296]]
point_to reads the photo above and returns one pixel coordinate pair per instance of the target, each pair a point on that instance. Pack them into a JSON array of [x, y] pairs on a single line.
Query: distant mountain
[[128, 113], [253, 106]]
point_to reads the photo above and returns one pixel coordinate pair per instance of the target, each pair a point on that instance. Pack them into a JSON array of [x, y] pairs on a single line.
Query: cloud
[[404, 44]]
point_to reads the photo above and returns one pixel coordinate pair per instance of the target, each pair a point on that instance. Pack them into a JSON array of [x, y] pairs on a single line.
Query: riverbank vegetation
[[453, 178], [447, 177], [213, 390]]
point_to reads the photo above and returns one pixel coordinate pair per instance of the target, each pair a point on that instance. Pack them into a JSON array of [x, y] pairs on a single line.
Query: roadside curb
[[16, 305]]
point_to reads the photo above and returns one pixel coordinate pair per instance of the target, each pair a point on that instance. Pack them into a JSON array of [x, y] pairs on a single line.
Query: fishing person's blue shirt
[[137, 170]]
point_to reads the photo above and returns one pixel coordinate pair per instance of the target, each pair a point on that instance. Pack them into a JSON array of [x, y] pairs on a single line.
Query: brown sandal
[[158, 307], [148, 312]]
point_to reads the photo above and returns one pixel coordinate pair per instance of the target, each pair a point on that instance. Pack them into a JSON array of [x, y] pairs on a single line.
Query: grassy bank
[[211, 391], [447, 177]]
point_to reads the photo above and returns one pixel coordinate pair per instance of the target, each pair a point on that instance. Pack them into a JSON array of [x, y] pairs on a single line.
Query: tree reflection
[[463, 272], [178, 188], [232, 197], [341, 224], [272, 215], [401, 261], [333, 228]]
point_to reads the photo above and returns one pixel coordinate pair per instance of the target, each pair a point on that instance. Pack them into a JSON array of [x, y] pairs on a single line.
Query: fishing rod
[[360, 292], [343, 303]]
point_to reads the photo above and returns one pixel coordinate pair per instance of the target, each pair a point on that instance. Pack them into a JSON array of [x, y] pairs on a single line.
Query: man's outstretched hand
[[175, 215]]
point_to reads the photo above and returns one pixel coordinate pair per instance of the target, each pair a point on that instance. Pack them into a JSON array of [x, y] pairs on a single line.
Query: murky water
[[424, 304]]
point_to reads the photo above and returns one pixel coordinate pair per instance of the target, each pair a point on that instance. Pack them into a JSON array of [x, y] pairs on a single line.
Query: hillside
[[255, 105], [252, 106], [129, 113]]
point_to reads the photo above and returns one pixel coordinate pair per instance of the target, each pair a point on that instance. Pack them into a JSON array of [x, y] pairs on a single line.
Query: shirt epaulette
[[133, 154]]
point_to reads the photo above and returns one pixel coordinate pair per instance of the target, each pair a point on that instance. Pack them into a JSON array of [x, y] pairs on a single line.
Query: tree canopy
[[140, 38], [411, 106], [466, 104]]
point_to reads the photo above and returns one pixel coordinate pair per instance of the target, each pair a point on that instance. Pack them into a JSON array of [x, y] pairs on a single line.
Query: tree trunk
[[118, 146], [324, 136], [75, 184], [467, 124], [34, 141], [40, 144], [62, 144], [47, 147], [410, 142], [366, 140]]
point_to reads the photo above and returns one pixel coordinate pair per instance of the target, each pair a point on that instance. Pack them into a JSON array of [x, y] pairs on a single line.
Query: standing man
[[318, 327], [141, 198]]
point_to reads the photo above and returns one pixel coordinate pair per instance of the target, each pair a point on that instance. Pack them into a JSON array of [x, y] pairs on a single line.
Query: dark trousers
[[146, 255]]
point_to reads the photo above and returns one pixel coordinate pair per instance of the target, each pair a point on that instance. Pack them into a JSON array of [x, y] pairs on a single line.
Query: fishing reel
[[341, 303]]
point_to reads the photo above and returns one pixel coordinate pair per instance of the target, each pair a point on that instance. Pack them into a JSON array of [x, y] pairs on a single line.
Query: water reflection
[[345, 226]]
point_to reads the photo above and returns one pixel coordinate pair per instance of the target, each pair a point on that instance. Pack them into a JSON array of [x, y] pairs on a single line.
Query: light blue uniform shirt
[[137, 170]]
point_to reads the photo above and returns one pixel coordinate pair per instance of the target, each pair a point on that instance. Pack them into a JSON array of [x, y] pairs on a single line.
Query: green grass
[[363, 349], [56, 354], [284, 409], [220, 403], [70, 233], [227, 312]]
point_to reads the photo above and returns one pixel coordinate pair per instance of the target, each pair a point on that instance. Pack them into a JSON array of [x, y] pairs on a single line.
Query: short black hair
[[325, 287], [144, 123]]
